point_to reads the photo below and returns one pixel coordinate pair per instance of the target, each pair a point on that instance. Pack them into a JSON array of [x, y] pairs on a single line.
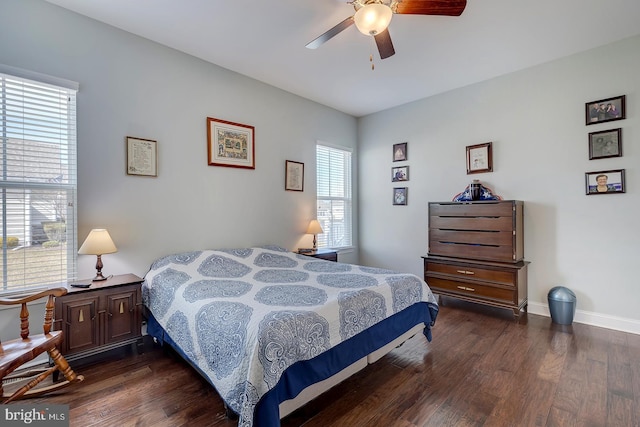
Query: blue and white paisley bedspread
[[243, 316]]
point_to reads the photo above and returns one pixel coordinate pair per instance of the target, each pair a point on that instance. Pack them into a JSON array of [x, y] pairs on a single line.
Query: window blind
[[334, 209], [38, 183]]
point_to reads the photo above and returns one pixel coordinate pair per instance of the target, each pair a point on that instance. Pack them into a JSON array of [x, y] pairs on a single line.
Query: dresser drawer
[[474, 290], [470, 209], [488, 231], [470, 272]]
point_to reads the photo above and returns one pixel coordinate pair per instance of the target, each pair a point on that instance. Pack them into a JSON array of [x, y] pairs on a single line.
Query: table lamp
[[98, 242], [314, 228]]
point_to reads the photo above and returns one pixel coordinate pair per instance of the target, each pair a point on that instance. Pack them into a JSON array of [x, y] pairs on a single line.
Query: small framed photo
[[479, 158], [400, 174], [605, 110], [606, 143], [400, 152], [294, 176], [142, 157], [605, 182], [230, 144], [400, 196]]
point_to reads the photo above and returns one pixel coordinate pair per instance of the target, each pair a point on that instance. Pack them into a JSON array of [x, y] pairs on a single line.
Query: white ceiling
[[266, 40]]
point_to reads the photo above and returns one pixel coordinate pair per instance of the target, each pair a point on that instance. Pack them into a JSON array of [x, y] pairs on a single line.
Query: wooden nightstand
[[105, 316], [327, 254]]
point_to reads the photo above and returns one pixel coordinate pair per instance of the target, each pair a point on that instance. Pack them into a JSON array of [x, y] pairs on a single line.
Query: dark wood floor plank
[[594, 394], [619, 373], [620, 411], [481, 369], [634, 361], [560, 418]]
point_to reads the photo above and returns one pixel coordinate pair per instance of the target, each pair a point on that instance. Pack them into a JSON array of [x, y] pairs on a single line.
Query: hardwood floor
[[481, 369]]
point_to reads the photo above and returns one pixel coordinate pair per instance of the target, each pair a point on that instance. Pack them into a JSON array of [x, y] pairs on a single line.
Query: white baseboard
[[593, 319]]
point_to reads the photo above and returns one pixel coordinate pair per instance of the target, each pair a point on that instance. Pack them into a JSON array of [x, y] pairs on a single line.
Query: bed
[[270, 329]]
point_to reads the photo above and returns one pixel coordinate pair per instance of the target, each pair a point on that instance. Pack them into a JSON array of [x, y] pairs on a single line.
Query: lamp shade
[[373, 18], [98, 242], [314, 227]]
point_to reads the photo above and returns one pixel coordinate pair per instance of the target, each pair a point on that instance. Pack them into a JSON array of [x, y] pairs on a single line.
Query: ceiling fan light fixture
[[373, 18]]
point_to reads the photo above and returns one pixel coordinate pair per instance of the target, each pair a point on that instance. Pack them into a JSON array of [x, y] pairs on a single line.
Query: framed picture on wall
[[606, 143], [605, 110], [230, 144], [142, 157], [400, 152], [479, 158], [294, 176], [400, 174], [605, 182], [400, 196]]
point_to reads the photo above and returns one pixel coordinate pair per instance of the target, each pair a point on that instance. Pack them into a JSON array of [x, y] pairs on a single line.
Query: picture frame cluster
[[606, 143], [400, 174]]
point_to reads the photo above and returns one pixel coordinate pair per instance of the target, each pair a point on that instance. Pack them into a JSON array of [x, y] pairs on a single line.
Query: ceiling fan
[[372, 18]]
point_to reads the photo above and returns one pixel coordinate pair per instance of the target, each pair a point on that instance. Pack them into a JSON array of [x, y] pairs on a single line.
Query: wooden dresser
[[476, 253], [102, 317]]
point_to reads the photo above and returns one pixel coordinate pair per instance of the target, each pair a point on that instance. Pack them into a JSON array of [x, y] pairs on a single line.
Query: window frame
[[19, 193], [325, 240]]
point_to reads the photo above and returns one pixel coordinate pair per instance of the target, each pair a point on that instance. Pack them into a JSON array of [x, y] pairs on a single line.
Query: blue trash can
[[562, 305]]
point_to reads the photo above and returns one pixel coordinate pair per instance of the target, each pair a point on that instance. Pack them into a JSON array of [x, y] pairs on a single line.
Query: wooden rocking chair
[[16, 353]]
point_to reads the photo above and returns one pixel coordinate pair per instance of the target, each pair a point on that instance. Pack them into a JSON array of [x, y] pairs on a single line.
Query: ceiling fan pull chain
[[371, 60]]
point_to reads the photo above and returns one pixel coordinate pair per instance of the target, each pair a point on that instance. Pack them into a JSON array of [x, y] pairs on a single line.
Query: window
[[38, 181], [334, 196]]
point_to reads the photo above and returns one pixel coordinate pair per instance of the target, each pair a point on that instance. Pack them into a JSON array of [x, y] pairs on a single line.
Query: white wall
[[130, 86], [535, 118], [536, 121]]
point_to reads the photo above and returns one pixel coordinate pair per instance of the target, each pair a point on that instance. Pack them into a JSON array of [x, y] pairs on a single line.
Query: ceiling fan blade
[[331, 33], [431, 7], [385, 46]]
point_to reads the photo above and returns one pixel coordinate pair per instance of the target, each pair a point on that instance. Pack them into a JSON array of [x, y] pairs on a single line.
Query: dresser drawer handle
[[471, 273], [464, 288]]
